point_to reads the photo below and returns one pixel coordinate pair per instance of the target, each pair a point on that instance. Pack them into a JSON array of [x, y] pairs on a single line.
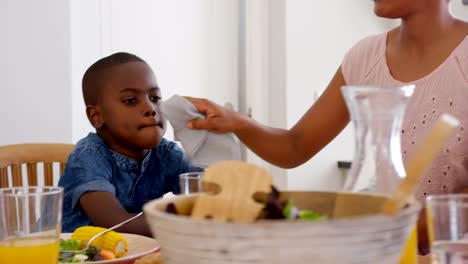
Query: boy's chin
[[151, 138], [151, 143]]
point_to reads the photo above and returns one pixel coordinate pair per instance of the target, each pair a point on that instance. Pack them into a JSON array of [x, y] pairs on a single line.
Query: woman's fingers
[[196, 123], [202, 105], [191, 99], [206, 124], [217, 118]]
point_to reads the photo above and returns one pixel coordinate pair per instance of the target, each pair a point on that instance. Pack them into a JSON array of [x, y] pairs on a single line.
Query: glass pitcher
[[377, 114]]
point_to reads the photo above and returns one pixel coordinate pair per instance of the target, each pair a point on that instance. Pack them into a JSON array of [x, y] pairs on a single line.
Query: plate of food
[[110, 248]]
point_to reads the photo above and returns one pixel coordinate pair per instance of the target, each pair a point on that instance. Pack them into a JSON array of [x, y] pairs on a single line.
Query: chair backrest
[[24, 158]]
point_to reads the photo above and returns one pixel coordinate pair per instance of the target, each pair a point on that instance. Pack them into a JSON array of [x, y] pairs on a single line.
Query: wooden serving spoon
[[237, 181], [422, 157]]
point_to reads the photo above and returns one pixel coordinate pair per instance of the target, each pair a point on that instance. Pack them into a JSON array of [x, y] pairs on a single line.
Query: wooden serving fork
[[238, 182], [423, 155]]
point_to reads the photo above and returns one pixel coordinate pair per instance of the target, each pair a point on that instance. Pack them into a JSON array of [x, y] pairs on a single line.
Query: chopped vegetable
[[273, 207], [92, 251], [310, 215], [106, 254], [171, 209], [78, 258]]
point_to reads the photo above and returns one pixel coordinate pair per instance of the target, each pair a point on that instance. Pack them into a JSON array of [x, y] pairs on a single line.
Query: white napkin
[[202, 147]]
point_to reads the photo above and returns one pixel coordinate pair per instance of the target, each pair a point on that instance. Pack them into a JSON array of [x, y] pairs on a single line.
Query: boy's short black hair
[[90, 82]]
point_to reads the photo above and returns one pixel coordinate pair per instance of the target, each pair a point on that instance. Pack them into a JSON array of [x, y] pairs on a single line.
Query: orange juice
[[29, 250], [410, 252]]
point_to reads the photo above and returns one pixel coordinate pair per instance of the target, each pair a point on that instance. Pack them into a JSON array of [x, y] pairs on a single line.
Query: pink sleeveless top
[[445, 90]]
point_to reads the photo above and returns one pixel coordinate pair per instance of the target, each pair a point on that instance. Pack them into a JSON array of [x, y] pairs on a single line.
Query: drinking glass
[[190, 182], [447, 220], [30, 224]]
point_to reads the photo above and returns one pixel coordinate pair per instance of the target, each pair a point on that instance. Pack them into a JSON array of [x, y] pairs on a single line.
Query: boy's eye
[[155, 99], [129, 101]]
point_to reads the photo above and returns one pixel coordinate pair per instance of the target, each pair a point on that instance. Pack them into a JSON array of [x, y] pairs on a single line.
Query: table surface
[[424, 260], [155, 259]]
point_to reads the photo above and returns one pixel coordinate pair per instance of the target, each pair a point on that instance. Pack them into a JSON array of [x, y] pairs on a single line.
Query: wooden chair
[[14, 156]]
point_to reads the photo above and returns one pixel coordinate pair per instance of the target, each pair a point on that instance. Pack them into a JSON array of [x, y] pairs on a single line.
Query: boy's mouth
[[158, 124]]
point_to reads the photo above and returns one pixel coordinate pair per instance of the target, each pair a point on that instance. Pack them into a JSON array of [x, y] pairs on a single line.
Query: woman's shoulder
[[372, 43], [461, 56], [362, 57], [461, 51], [461, 36]]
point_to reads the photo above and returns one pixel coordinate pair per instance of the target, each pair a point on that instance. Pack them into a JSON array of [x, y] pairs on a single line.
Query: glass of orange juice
[[30, 224]]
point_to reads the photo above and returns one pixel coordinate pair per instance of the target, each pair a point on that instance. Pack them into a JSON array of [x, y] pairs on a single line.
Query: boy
[[111, 173]]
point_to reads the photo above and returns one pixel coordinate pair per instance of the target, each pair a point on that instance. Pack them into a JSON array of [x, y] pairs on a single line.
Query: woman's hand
[[218, 119]]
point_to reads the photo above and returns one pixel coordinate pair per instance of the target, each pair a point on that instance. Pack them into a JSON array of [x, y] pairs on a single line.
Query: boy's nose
[[150, 113], [149, 109]]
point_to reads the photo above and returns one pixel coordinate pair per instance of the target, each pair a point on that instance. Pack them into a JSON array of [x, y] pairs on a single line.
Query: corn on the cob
[[111, 240]]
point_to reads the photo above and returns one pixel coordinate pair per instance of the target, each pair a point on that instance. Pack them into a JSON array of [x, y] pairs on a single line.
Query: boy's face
[[128, 109]]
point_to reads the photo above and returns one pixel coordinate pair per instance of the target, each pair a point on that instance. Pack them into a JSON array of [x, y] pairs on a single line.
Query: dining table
[[424, 259], [156, 259]]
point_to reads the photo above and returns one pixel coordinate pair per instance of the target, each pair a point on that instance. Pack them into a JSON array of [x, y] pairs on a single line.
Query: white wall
[[47, 46], [318, 35], [88, 44], [35, 72], [191, 45], [459, 10]]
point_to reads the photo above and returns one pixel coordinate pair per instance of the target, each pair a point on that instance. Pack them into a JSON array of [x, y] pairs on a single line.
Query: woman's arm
[[285, 148], [105, 210]]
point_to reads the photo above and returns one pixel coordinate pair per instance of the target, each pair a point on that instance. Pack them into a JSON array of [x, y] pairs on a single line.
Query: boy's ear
[[94, 116]]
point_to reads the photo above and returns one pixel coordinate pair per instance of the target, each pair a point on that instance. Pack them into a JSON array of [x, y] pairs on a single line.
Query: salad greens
[[277, 209], [90, 254], [291, 212], [69, 244]]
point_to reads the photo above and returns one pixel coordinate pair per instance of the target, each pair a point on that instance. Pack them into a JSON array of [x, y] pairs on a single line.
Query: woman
[[429, 49]]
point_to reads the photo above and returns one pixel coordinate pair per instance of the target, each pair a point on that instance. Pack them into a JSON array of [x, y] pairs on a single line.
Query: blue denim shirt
[[92, 166]]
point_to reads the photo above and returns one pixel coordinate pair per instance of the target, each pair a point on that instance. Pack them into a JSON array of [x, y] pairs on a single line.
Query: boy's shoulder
[[173, 159], [169, 151], [91, 145], [167, 147]]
